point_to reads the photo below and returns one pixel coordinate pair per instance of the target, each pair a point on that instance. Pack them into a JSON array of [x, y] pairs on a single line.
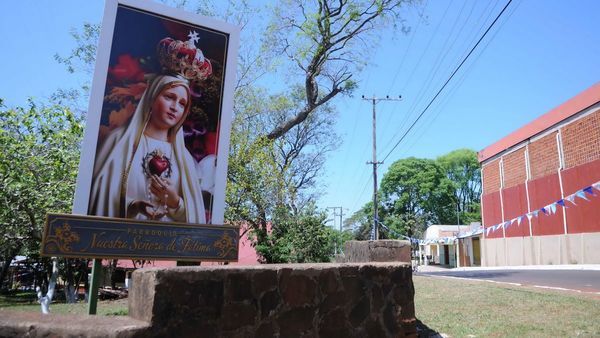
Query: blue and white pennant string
[[549, 209]]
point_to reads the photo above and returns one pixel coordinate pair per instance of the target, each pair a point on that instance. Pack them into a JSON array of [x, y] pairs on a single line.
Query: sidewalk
[[433, 268]]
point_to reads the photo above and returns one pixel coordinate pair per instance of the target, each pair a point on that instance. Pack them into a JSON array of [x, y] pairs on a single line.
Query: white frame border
[[88, 149]]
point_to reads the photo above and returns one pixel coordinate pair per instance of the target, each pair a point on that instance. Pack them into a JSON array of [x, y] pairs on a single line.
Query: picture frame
[[128, 55]]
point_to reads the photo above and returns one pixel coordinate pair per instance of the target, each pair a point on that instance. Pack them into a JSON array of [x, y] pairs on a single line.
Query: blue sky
[[538, 55]]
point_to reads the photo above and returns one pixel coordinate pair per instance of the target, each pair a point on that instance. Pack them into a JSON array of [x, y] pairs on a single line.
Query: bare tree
[[328, 42]]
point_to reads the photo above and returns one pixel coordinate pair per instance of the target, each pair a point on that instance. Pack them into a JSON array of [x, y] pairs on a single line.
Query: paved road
[[574, 280]]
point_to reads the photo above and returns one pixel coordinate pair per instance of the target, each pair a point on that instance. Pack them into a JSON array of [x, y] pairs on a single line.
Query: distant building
[[439, 244], [531, 175]]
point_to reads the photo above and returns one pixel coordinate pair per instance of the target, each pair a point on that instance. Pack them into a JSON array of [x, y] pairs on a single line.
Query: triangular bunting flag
[[561, 203], [589, 190], [507, 224], [519, 219], [571, 198], [581, 194], [529, 216], [544, 210], [553, 208], [535, 213], [596, 185]]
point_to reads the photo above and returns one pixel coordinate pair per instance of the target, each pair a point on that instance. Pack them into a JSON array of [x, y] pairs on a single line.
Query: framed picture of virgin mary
[[157, 137]]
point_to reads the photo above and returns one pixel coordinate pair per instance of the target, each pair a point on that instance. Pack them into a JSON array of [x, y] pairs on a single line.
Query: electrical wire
[[460, 80], [449, 79]]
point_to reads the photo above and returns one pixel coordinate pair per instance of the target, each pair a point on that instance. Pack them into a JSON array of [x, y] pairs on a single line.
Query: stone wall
[[299, 300], [375, 251], [31, 324]]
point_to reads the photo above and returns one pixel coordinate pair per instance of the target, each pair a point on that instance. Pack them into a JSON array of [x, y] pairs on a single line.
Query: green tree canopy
[[299, 238], [39, 160], [416, 192], [417, 187], [462, 168]]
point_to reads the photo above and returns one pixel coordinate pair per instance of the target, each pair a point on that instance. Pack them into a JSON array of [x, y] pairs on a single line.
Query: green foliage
[[361, 222], [462, 168], [80, 60], [417, 187], [271, 178], [82, 57], [39, 160], [417, 192], [301, 238], [323, 44]]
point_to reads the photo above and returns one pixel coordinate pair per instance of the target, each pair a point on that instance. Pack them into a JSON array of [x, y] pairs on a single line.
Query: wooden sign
[[101, 237]]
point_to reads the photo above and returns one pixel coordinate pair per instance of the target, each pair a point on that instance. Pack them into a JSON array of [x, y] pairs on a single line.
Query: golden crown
[[184, 58]]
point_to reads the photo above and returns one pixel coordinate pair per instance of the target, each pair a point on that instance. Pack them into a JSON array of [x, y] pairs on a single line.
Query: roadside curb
[[590, 267]]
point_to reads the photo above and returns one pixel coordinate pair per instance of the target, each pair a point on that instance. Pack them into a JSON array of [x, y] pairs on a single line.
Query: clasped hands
[[165, 193]]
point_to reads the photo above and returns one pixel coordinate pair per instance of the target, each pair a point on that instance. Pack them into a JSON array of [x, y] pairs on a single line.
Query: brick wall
[[543, 156], [514, 168], [580, 143], [581, 140], [491, 177]]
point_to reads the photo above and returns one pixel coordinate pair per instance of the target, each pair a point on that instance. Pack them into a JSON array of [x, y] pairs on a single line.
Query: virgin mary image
[[143, 169]]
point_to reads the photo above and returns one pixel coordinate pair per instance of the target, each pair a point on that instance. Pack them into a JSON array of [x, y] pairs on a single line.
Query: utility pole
[[341, 214], [374, 100], [334, 215]]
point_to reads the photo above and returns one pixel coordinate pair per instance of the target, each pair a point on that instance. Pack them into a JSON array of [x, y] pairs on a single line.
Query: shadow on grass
[[424, 331]]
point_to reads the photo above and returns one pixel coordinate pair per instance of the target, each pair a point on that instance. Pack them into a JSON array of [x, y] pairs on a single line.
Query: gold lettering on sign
[[139, 243], [98, 241], [151, 232], [190, 245], [173, 245]]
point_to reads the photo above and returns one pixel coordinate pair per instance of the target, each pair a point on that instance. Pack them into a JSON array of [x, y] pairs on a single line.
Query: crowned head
[[184, 59]]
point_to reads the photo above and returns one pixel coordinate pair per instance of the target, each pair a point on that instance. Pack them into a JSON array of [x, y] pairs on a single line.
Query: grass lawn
[[27, 301], [480, 309], [450, 307]]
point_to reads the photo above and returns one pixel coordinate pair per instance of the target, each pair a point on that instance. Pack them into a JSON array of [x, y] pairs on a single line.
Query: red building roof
[[583, 100]]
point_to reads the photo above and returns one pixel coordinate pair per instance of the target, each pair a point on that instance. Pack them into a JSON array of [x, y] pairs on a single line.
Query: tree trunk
[[70, 294], [5, 266], [47, 299]]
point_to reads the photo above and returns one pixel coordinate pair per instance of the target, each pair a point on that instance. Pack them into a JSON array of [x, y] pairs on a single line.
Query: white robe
[[138, 182], [114, 164]]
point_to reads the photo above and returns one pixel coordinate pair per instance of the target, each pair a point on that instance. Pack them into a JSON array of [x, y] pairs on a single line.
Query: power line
[[426, 83], [374, 100], [450, 92], [449, 79]]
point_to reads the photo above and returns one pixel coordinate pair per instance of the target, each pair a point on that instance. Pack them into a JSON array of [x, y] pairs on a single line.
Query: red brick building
[[545, 161]]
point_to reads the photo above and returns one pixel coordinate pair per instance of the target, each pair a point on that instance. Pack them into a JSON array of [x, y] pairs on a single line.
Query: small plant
[[119, 312]]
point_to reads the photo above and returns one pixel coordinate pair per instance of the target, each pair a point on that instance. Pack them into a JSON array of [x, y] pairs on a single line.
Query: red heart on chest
[[158, 165]]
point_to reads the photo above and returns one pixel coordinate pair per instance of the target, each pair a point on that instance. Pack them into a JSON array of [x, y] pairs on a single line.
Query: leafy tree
[[462, 168], [38, 166], [417, 187], [327, 42], [411, 225], [266, 175], [361, 222], [418, 192], [81, 60], [299, 238]]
